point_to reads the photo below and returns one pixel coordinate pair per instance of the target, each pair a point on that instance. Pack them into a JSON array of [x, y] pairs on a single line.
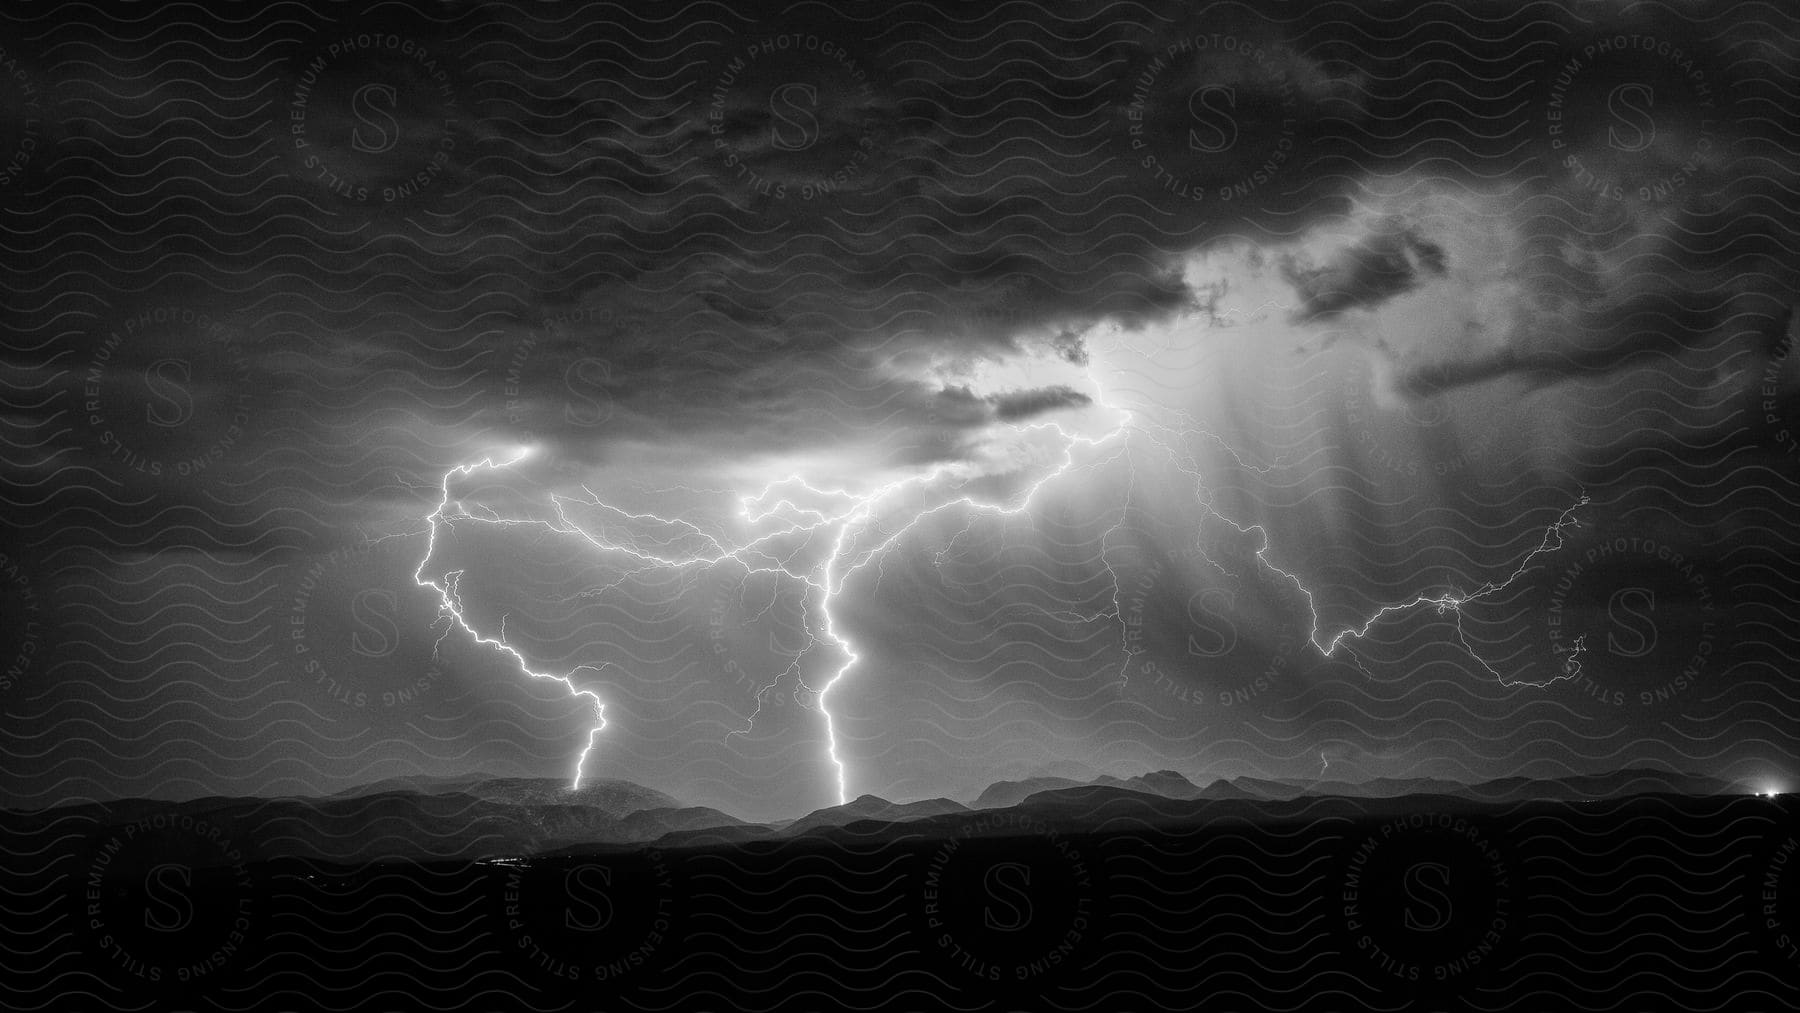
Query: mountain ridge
[[490, 818]]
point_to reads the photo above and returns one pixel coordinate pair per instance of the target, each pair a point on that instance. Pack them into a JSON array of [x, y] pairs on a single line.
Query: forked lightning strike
[[450, 605], [827, 578], [851, 516], [1452, 602]]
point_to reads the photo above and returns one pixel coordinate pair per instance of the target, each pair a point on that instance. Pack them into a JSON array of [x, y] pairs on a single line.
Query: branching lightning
[[848, 518], [1451, 602], [450, 603]]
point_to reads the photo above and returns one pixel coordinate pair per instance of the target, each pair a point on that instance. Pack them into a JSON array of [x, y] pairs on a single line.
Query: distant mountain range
[[480, 818], [1581, 787]]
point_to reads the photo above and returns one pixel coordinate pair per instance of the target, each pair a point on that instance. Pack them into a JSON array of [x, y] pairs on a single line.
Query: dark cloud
[[665, 249], [1363, 274], [1012, 407]]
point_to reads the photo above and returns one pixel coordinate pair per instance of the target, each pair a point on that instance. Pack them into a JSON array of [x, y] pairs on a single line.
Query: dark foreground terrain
[[1097, 896]]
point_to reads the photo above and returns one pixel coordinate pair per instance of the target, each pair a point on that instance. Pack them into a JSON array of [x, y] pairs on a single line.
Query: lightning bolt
[[850, 515], [450, 602], [847, 517], [835, 577], [1328, 645]]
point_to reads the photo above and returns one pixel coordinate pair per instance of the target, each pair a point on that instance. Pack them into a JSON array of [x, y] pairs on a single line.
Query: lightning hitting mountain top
[[849, 520], [450, 603], [852, 522]]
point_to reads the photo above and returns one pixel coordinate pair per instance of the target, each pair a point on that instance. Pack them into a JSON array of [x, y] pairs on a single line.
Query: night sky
[[1107, 361]]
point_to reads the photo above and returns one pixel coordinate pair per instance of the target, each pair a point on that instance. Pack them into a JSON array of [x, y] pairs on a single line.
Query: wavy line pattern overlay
[[1122, 504]]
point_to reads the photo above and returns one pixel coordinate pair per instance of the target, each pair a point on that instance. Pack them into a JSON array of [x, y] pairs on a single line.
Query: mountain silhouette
[[472, 818]]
